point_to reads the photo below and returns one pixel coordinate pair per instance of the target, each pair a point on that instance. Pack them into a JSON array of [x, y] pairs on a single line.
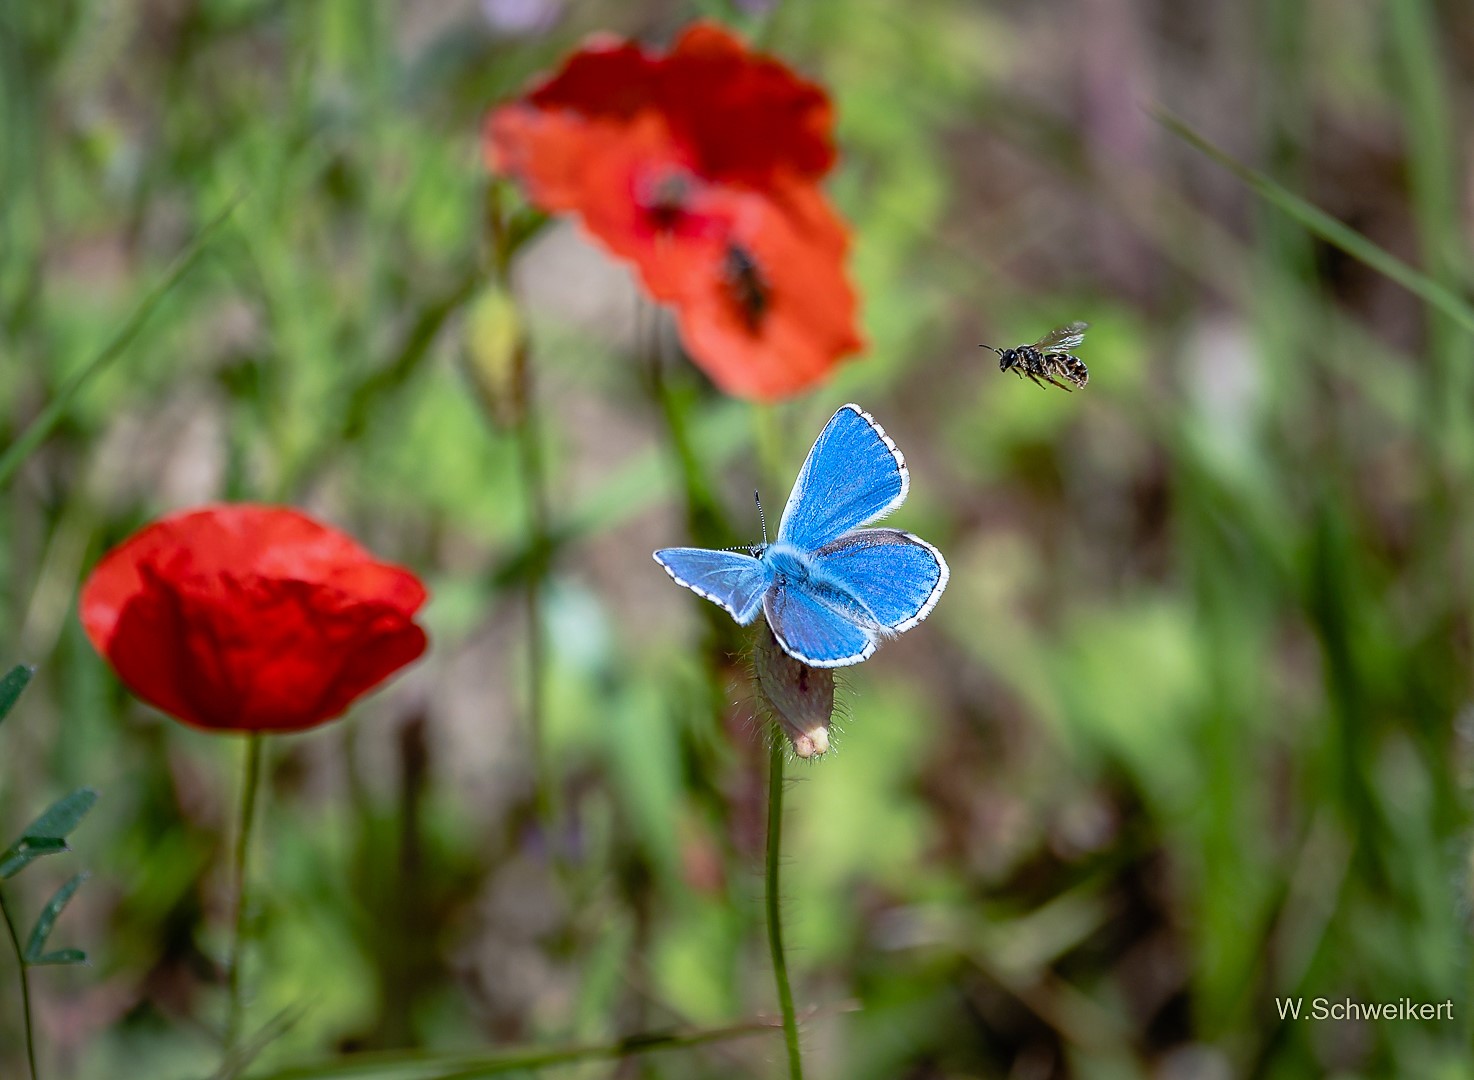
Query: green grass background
[[1191, 729]]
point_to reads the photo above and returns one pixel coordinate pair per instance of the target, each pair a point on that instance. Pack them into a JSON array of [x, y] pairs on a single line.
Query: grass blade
[[1329, 229], [35, 434], [249, 1050]]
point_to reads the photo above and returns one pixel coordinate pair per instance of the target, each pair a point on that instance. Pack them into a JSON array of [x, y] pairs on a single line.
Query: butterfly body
[[785, 563], [830, 590], [1048, 358]]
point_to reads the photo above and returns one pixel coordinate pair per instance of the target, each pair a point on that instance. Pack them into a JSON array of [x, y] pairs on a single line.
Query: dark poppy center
[[666, 200]]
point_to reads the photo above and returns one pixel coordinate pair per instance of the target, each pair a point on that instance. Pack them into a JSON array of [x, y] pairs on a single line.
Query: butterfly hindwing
[[853, 475], [814, 632], [895, 576], [729, 579]]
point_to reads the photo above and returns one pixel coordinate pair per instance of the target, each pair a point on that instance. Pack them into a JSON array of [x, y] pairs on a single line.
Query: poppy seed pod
[[250, 618], [798, 697]]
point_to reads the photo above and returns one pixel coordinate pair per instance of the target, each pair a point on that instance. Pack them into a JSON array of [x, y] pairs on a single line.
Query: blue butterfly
[[829, 589]]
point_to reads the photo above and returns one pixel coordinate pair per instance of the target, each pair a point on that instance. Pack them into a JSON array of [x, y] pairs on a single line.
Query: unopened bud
[[799, 698], [494, 353]]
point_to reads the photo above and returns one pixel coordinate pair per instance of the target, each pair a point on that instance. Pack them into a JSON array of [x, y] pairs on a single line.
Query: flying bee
[[1049, 358]]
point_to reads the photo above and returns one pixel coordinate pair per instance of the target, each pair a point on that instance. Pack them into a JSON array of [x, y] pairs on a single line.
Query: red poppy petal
[[747, 118], [250, 618], [548, 153], [785, 323], [596, 168], [147, 644], [735, 116], [606, 78], [392, 586], [375, 650], [633, 192], [310, 653]]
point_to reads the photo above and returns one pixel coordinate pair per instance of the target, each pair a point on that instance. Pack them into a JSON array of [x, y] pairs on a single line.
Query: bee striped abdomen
[[1068, 367]]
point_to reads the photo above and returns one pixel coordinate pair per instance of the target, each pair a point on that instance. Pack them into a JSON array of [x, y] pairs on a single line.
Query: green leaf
[[1334, 232], [47, 834], [59, 958], [12, 686], [35, 947], [62, 816], [25, 851]]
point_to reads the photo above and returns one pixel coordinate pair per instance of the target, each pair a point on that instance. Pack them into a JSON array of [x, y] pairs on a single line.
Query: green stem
[[535, 495], [776, 756], [706, 525], [25, 987], [703, 516], [249, 785], [533, 476]]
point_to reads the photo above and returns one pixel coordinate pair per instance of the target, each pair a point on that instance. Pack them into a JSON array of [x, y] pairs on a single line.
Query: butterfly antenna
[[761, 520]]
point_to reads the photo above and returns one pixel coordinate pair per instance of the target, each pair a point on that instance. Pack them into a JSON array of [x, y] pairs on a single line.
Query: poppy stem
[[533, 476], [704, 517], [776, 755], [25, 988], [251, 781], [534, 491]]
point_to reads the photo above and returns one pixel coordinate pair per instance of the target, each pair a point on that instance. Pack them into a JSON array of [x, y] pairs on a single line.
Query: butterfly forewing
[[895, 576], [853, 475], [729, 579]]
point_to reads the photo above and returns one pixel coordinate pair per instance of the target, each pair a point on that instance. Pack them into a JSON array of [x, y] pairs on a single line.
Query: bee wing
[[1063, 338]]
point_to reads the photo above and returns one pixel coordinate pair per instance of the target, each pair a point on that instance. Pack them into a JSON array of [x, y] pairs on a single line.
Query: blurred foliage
[[1190, 731]]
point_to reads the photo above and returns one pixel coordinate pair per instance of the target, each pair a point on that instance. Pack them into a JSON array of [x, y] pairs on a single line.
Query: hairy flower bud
[[797, 697]]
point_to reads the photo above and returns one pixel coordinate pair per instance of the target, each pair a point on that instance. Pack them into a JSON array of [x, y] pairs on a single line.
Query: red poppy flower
[[700, 166], [250, 618]]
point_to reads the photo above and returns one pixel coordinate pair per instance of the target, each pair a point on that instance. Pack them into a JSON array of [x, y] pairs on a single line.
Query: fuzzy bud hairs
[[799, 698]]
